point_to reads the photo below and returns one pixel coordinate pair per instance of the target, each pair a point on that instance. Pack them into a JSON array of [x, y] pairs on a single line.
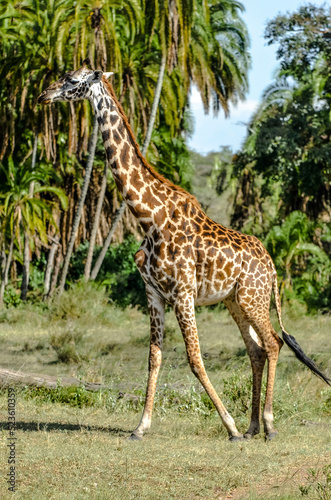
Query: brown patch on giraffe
[[161, 196], [141, 213], [180, 238], [175, 215], [113, 119], [125, 154], [117, 138], [187, 251], [200, 255], [228, 251], [132, 196], [136, 179], [170, 227], [159, 215], [149, 199], [140, 258], [110, 150], [228, 269]]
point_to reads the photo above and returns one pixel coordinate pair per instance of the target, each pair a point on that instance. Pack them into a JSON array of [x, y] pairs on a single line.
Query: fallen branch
[[8, 378]]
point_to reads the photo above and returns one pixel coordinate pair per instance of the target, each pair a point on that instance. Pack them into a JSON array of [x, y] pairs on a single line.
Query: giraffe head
[[73, 86]]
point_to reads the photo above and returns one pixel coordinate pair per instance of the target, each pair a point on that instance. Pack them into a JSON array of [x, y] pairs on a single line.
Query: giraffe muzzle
[[44, 98], [47, 96]]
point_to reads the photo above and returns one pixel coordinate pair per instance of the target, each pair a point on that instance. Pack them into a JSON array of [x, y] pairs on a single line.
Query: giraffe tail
[[291, 341]]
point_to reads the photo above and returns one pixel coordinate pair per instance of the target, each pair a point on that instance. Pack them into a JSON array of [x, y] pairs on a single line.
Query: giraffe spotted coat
[[186, 259]]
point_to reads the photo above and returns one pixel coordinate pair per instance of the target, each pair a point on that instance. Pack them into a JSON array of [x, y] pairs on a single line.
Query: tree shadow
[[56, 426]]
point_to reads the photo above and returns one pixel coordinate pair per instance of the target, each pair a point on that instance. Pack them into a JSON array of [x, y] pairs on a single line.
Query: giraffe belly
[[210, 297]]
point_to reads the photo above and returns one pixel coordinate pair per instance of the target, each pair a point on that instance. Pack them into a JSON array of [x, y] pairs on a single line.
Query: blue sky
[[212, 133]]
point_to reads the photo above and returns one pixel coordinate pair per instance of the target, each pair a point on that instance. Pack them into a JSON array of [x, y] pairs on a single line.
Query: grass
[[73, 444]]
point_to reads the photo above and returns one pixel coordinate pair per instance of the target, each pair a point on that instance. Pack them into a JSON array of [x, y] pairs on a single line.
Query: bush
[[118, 273], [65, 346], [297, 248]]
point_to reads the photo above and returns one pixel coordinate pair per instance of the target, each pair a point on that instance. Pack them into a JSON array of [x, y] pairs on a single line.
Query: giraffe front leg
[[184, 310], [156, 308]]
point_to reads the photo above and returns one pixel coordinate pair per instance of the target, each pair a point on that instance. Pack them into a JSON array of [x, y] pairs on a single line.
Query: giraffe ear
[[107, 75]]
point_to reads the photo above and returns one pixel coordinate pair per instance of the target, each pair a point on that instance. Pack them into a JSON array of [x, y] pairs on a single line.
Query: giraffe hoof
[[250, 435], [270, 435], [236, 438], [135, 437]]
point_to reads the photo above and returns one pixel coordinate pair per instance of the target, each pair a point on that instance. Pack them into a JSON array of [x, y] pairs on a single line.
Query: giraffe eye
[[73, 81]]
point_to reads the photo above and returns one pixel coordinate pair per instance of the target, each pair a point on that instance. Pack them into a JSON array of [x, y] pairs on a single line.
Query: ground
[[73, 444]]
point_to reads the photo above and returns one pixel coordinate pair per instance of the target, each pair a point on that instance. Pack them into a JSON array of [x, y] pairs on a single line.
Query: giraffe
[[187, 260]]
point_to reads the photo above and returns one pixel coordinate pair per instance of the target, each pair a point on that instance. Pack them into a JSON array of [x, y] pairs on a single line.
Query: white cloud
[[243, 108]]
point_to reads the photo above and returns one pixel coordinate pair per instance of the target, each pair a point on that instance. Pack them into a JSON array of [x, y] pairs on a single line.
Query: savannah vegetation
[[58, 204], [73, 443]]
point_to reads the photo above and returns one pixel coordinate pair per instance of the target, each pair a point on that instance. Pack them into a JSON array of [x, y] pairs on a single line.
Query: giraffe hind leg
[[256, 312], [257, 357]]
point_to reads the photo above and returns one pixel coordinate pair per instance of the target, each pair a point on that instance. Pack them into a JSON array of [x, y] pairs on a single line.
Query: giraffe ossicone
[[186, 259]]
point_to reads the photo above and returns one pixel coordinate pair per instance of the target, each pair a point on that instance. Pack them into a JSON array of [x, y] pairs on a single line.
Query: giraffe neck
[[139, 185]]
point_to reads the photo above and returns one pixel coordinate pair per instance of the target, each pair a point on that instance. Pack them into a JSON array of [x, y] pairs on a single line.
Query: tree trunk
[[88, 264], [26, 267], [58, 262], [151, 122], [3, 267], [26, 255], [49, 267], [105, 247], [155, 105], [6, 267], [80, 207]]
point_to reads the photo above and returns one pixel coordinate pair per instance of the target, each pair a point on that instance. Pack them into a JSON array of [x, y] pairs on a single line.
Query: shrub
[[118, 273]]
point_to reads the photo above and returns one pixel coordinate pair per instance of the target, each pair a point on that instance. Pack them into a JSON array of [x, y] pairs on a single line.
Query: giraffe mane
[[158, 176]]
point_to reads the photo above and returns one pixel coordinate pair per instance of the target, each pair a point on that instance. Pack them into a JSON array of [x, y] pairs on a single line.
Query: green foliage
[[118, 273], [37, 273], [288, 141], [283, 171], [168, 399], [318, 485], [305, 268], [72, 396], [238, 391], [202, 42], [172, 158], [220, 177], [11, 297]]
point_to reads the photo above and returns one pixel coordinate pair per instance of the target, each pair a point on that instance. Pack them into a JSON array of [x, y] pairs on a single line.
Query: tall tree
[[24, 213], [288, 142]]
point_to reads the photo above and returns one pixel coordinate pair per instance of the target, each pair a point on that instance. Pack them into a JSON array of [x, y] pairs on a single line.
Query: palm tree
[[95, 38], [218, 59], [24, 212], [26, 255]]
